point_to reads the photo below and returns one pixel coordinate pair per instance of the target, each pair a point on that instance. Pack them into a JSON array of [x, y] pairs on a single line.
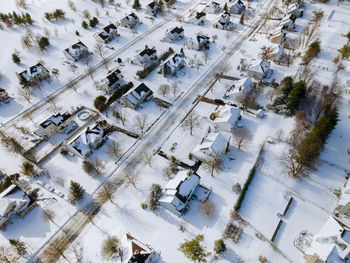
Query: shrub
[[84, 24], [27, 168], [190, 156], [55, 15], [147, 70], [43, 42], [16, 59], [166, 54], [193, 249], [345, 51], [88, 167], [136, 4], [100, 103], [143, 205], [245, 189], [110, 247], [93, 22], [312, 51], [219, 246]]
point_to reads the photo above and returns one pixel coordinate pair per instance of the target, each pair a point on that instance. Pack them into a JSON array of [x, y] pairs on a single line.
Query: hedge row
[[245, 189], [119, 92]]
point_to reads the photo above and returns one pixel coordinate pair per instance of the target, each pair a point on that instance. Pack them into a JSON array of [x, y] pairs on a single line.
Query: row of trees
[[92, 23], [18, 19], [55, 15]]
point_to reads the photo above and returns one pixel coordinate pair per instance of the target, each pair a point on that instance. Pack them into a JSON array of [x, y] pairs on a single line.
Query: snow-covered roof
[[214, 144], [56, 119], [263, 66], [114, 77], [75, 50], [175, 62], [4, 205], [148, 51], [242, 85], [137, 94], [33, 71], [227, 114]]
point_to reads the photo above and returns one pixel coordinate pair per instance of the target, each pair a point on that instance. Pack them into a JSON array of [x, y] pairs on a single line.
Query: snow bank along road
[[160, 132], [58, 94]]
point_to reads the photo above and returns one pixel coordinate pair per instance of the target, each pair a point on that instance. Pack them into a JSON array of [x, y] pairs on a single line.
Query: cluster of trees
[[55, 15], [147, 70], [94, 167], [100, 103], [289, 95], [92, 23], [312, 51], [17, 19]]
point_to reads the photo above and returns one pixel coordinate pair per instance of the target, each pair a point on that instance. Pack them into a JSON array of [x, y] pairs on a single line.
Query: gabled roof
[[137, 93], [199, 15], [72, 51], [148, 51], [227, 114], [109, 28], [213, 144], [152, 5], [113, 77], [32, 71], [177, 30], [56, 119]]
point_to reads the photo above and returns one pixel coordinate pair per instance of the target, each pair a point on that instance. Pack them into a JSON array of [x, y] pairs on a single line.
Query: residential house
[[226, 118], [33, 75], [223, 22], [140, 252], [279, 36], [239, 86], [172, 65], [111, 82], [179, 191], [152, 8], [3, 95], [14, 201], [135, 97], [56, 123], [146, 57], [130, 21], [237, 7], [198, 19], [214, 144], [76, 51], [212, 8], [260, 70], [198, 42], [82, 144], [177, 33], [287, 22], [295, 9], [277, 53], [107, 34]]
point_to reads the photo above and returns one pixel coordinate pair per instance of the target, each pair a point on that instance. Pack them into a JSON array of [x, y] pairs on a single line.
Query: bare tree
[[78, 252], [140, 122], [55, 72], [207, 208], [71, 5], [90, 72], [114, 150], [191, 121], [164, 90], [148, 157], [26, 42], [120, 114], [214, 37], [212, 163], [21, 4], [25, 93], [100, 49], [106, 193], [73, 84], [48, 215], [206, 56], [8, 255], [292, 166], [98, 166], [175, 88], [61, 181], [105, 64], [131, 178], [241, 136], [55, 249], [86, 14]]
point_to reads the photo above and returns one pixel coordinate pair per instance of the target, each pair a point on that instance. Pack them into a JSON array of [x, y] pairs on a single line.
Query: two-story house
[[237, 7], [135, 97], [172, 65], [107, 34], [260, 70], [212, 8], [146, 57], [223, 22], [177, 33], [3, 95], [56, 123], [76, 52], [198, 42], [198, 19], [130, 21], [152, 8], [33, 75], [111, 82]]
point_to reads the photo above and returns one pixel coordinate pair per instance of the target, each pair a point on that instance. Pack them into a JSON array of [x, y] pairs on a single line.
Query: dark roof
[[34, 69], [143, 88], [51, 120], [152, 4], [109, 28], [148, 51], [199, 37], [113, 77], [77, 45], [178, 30], [139, 258], [200, 14], [215, 4], [178, 195], [1, 89], [133, 15]]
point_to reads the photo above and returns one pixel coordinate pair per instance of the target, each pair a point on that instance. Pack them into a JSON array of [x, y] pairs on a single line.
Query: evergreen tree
[[27, 168], [225, 7], [84, 24], [15, 58], [20, 246], [193, 249], [43, 42], [93, 22], [219, 246], [136, 4], [345, 51], [28, 19], [241, 19], [76, 192], [154, 195], [100, 103]]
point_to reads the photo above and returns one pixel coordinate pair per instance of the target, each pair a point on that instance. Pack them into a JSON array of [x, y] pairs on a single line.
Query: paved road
[[160, 132]]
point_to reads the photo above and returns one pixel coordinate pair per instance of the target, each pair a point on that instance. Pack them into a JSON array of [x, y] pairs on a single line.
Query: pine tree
[[27, 168], [193, 249], [43, 42], [241, 19], [154, 195], [136, 4], [93, 22], [15, 58], [76, 192], [84, 24], [219, 246], [28, 19], [20, 246], [225, 7]]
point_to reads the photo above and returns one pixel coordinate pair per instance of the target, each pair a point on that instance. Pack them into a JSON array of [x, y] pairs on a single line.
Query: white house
[[107, 34], [237, 7], [214, 144], [82, 144], [212, 8], [56, 123], [287, 22], [130, 21], [3, 95], [279, 36], [34, 74], [172, 65], [276, 53], [198, 42], [226, 118], [152, 9], [146, 56], [295, 9], [223, 22], [140, 252], [76, 51], [198, 19], [178, 192], [177, 33], [240, 86], [260, 70], [111, 82], [135, 97]]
